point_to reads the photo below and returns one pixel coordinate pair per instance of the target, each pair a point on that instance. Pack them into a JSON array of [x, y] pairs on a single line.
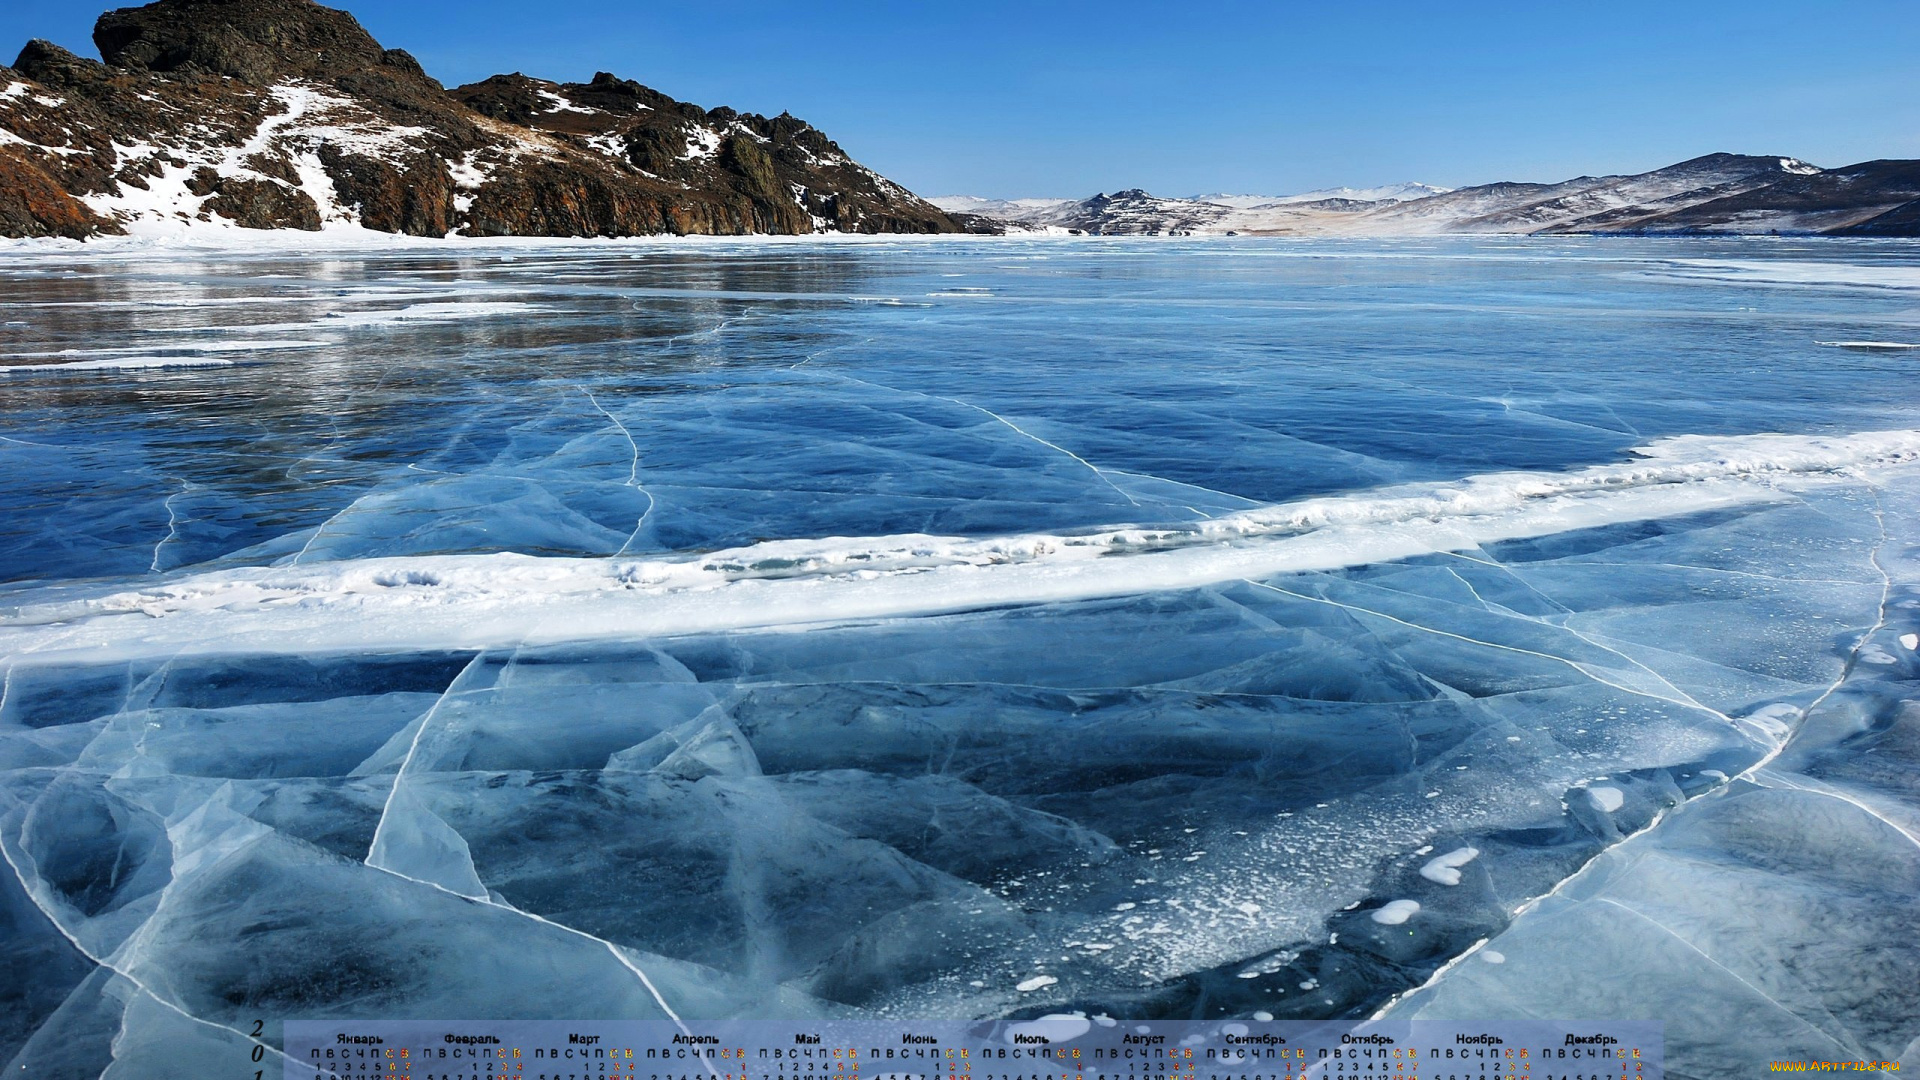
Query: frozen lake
[[1151, 628]]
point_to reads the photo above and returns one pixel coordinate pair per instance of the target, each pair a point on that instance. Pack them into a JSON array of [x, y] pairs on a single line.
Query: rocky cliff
[[282, 114]]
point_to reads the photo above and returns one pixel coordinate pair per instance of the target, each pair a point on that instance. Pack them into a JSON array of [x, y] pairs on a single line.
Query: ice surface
[[1126, 631], [1784, 894]]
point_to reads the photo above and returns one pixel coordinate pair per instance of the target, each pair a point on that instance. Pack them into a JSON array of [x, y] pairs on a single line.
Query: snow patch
[[182, 349], [308, 118], [1396, 912], [466, 172], [609, 145], [558, 103], [1807, 273], [19, 90], [8, 138], [1445, 869], [702, 143]]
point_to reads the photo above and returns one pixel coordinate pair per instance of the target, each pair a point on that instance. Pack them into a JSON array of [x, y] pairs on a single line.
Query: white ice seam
[[480, 600]]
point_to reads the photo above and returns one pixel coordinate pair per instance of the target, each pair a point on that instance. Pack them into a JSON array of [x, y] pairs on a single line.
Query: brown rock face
[[32, 204], [706, 171], [53, 66], [255, 41], [551, 203], [286, 114], [263, 204], [413, 195]]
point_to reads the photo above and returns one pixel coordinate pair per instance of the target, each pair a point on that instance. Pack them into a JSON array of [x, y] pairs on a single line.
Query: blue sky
[[1005, 99]]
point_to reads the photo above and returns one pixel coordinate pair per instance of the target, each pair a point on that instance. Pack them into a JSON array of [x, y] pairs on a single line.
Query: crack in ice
[[6, 852], [400, 774], [1565, 626], [612, 948], [633, 473], [1097, 471], [1736, 976], [379, 829], [1574, 664], [173, 523], [1811, 787], [1753, 773]]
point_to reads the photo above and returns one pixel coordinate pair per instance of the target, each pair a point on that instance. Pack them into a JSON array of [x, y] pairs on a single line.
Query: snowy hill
[[1005, 209], [1384, 193], [1716, 193]]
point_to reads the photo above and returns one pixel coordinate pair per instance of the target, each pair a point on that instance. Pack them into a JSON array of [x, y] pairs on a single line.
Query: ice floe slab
[[1764, 920]]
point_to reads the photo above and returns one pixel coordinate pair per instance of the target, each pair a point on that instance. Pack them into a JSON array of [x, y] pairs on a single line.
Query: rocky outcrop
[[1134, 212], [33, 204], [284, 114], [260, 42], [255, 204], [720, 171]]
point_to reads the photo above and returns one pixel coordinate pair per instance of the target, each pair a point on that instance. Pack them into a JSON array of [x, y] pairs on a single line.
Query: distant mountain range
[[282, 114], [1718, 193], [1385, 193]]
